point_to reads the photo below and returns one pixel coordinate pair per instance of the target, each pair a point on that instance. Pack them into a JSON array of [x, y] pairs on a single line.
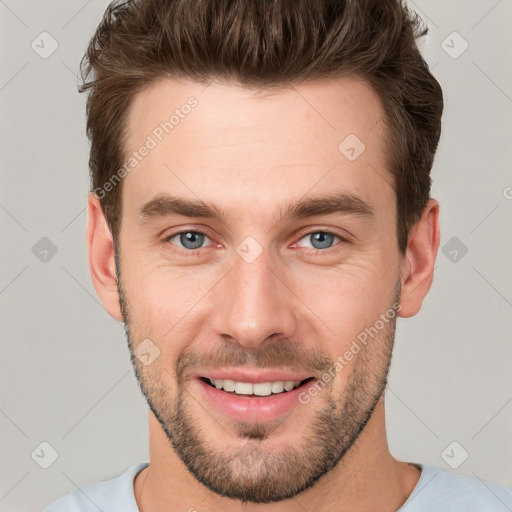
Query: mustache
[[285, 354]]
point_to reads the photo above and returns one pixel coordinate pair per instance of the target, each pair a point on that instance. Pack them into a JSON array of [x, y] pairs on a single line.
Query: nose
[[254, 303]]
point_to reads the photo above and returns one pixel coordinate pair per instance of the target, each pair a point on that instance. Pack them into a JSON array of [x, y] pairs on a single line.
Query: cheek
[[347, 300], [348, 294], [154, 310], [161, 295]]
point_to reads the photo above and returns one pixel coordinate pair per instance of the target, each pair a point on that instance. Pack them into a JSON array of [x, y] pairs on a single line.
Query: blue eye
[[190, 240], [321, 239]]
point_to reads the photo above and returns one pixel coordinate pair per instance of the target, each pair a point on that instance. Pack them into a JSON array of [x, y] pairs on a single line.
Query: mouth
[[255, 389], [246, 400]]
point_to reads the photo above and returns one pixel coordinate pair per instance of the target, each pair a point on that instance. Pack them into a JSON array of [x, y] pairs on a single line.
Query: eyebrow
[[165, 205]]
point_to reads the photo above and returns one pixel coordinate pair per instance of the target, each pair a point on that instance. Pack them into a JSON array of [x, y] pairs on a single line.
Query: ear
[[102, 265], [417, 269]]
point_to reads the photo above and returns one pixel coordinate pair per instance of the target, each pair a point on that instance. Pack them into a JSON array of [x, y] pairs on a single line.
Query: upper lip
[[253, 375]]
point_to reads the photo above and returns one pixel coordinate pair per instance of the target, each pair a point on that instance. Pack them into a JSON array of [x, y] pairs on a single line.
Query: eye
[[321, 240], [189, 240]]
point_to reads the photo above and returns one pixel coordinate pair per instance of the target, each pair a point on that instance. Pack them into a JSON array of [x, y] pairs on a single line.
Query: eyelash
[[194, 252]]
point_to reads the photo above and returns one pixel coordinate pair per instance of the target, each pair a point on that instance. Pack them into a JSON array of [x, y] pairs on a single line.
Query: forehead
[[225, 143]]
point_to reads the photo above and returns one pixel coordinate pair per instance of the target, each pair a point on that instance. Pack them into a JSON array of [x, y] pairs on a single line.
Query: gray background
[[65, 373]]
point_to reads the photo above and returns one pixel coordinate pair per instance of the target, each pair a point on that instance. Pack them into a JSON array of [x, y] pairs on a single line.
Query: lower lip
[[245, 408]]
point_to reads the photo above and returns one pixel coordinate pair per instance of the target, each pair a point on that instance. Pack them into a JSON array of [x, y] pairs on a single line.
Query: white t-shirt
[[436, 491]]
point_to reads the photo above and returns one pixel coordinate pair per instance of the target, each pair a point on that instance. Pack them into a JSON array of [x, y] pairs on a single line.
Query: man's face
[[258, 290]]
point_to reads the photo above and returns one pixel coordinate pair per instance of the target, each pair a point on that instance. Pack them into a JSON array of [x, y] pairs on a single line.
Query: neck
[[368, 478]]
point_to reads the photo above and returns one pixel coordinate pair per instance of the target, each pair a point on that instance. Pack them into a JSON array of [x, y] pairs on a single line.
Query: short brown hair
[[266, 44]]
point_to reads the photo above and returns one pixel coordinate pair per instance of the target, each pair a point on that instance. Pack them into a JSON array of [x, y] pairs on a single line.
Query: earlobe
[[101, 257], [417, 269]]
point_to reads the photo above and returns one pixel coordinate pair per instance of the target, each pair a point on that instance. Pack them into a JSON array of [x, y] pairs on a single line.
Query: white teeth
[[262, 388], [243, 388], [229, 385], [277, 387], [258, 389], [288, 385]]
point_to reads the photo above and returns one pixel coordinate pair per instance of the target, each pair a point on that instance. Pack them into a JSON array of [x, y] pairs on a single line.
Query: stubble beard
[[254, 473]]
